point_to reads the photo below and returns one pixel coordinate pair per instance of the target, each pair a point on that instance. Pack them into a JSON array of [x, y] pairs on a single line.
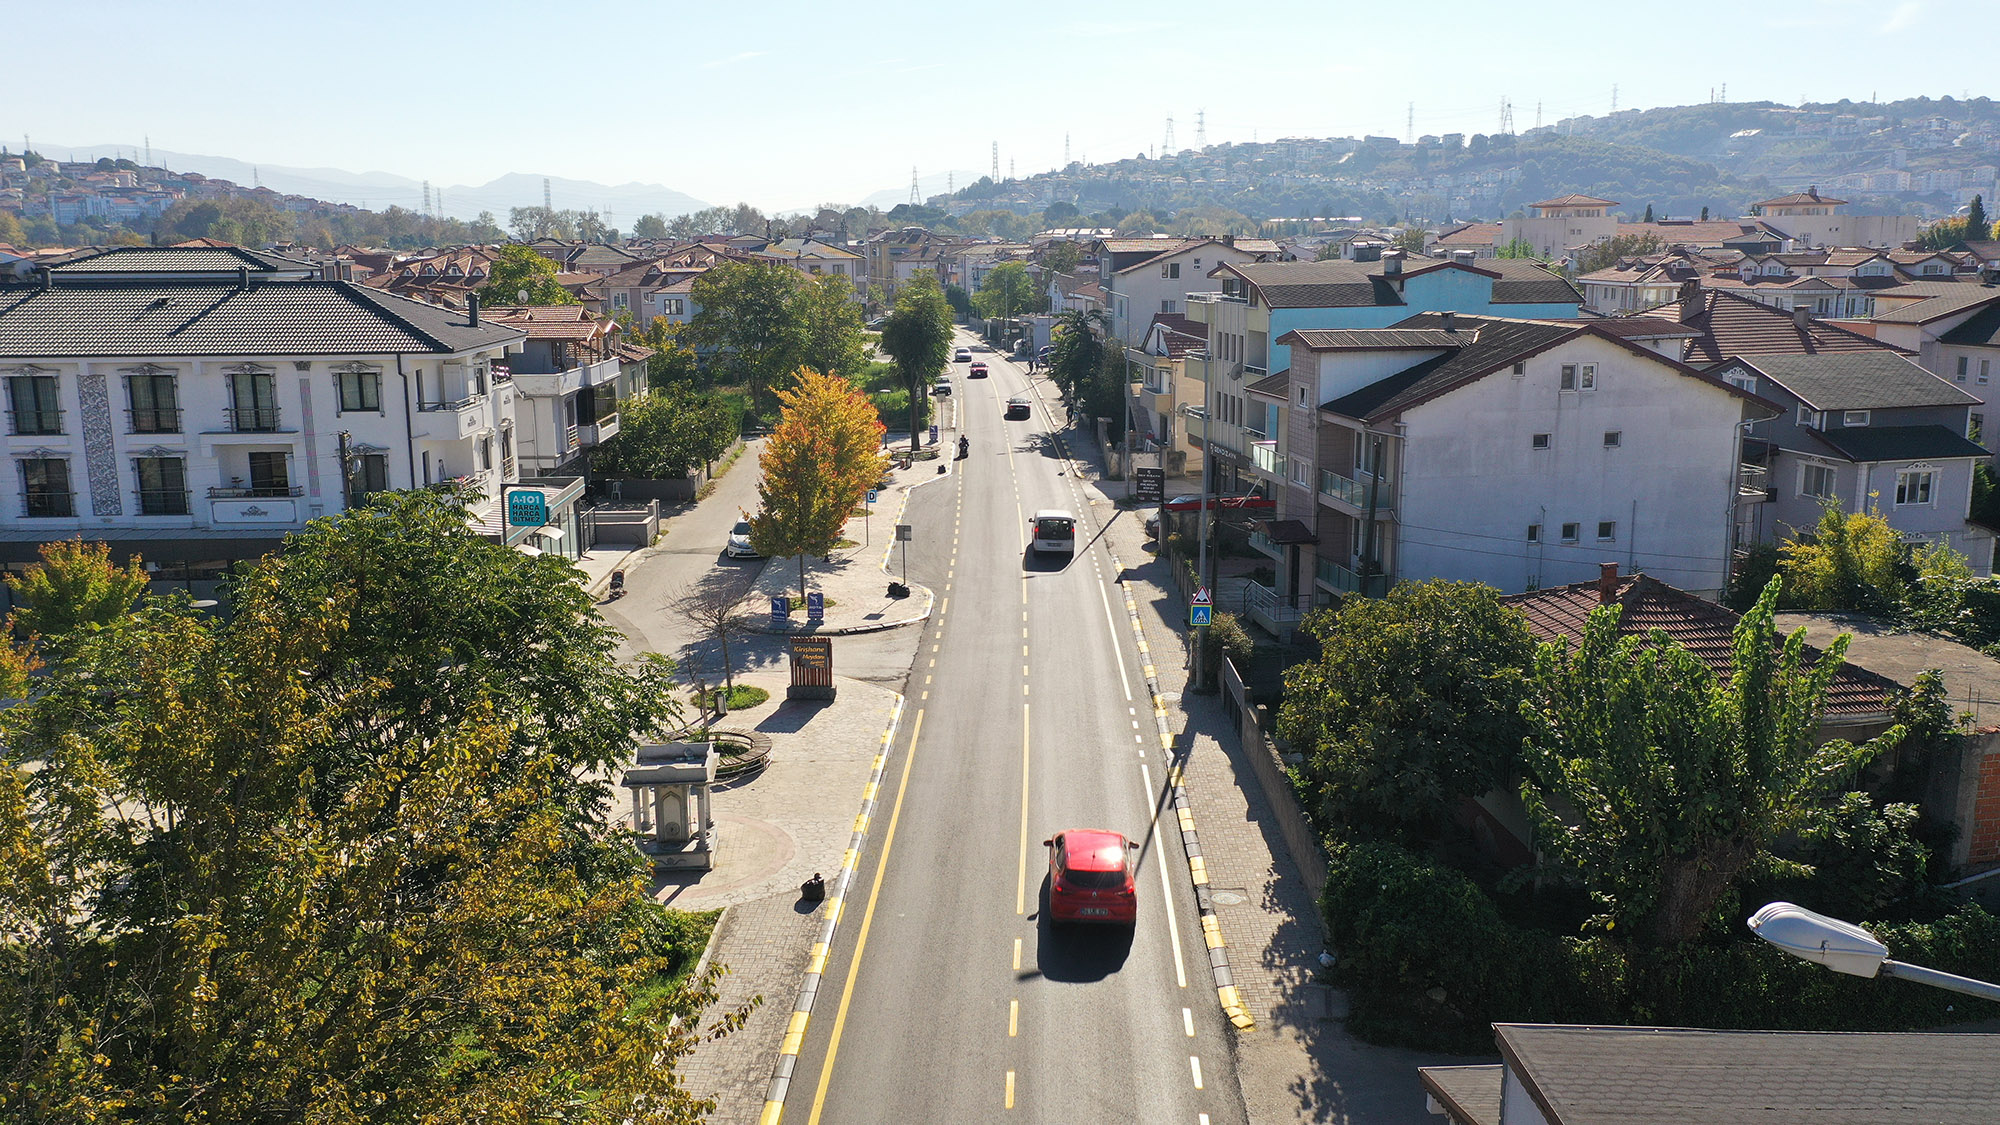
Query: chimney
[[1607, 583], [1464, 257], [1392, 263], [1691, 302], [1446, 321], [1801, 317], [472, 308], [242, 278]]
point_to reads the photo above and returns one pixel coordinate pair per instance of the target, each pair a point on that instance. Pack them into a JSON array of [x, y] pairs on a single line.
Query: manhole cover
[[1227, 898]]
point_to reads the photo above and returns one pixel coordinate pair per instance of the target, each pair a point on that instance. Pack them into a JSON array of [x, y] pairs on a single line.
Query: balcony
[[262, 505], [1753, 484], [452, 419], [602, 372], [42, 504], [1253, 371], [252, 419], [34, 422], [1216, 298], [1264, 455], [1355, 493], [1336, 577], [154, 419], [256, 492], [162, 501], [603, 430]]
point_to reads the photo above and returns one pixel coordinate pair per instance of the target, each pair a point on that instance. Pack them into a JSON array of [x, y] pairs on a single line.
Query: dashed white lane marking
[[1194, 1064]]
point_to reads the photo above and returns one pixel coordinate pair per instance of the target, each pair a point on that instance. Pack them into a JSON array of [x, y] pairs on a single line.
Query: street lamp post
[[1847, 948]]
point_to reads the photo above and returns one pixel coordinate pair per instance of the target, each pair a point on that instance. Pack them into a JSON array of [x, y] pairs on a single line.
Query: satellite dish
[[523, 294], [23, 268]]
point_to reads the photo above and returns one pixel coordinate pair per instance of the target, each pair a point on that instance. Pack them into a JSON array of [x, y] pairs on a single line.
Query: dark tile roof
[[1383, 338], [1981, 330], [1898, 443], [179, 259], [1575, 200], [1470, 1094], [171, 319], [1730, 325], [1656, 1075], [1273, 384], [1485, 346], [1799, 199], [1859, 380], [1942, 299], [1702, 627], [1341, 284]]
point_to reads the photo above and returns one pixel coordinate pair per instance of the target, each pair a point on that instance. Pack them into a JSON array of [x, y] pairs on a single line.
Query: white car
[[963, 355], [739, 542]]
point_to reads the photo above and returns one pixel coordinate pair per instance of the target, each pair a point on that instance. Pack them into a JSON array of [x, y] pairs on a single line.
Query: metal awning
[[550, 533], [1285, 532]]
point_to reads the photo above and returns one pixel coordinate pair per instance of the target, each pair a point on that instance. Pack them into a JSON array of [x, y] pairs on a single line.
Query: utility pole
[[1201, 128], [548, 199], [915, 198], [994, 175], [1410, 125]]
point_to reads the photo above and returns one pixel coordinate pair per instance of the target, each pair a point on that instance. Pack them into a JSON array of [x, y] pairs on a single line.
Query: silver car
[[739, 542]]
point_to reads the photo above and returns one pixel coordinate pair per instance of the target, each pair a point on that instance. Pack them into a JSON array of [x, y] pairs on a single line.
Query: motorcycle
[[964, 447], [617, 584]]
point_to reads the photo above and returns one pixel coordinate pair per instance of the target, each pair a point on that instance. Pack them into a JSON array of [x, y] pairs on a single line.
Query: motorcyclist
[[964, 446]]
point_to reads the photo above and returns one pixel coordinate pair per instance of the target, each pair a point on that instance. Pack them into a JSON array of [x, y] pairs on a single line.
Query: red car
[[978, 370], [1090, 877]]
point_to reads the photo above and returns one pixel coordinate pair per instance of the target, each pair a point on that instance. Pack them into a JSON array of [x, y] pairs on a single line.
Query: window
[[1568, 381], [1569, 533], [359, 390], [618, 300], [1534, 533], [1741, 380], [1816, 480], [1985, 369], [1913, 487], [1586, 377], [1854, 417], [1166, 306], [1539, 441], [1607, 530], [33, 402], [1520, 369], [1171, 269], [268, 476], [1962, 363], [670, 306], [254, 401], [155, 402], [1809, 418], [1613, 438], [162, 485], [1302, 396], [371, 475], [1975, 427], [45, 491]]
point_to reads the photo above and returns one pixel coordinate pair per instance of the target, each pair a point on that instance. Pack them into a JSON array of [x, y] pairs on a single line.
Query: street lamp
[[1847, 948]]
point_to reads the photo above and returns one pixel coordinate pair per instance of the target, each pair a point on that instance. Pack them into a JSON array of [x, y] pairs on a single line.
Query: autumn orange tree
[[818, 464]]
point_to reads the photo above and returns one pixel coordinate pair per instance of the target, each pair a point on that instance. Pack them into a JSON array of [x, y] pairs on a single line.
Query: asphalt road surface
[[948, 996]]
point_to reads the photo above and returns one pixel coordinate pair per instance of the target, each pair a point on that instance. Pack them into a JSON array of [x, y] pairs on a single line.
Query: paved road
[[947, 998]]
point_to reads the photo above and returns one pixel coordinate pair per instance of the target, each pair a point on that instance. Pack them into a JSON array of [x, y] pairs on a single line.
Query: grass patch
[[740, 697]]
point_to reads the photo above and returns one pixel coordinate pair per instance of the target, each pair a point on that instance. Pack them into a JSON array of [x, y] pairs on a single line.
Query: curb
[[762, 625], [1211, 924], [795, 1032]]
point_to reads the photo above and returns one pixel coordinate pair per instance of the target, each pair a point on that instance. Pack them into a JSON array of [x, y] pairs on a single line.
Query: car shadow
[[1045, 562], [1077, 953]]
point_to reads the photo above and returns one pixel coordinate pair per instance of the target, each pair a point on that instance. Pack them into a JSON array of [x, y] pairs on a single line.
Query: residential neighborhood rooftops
[[1730, 325], [1574, 199], [180, 259], [1981, 329], [1898, 443], [1859, 380], [1807, 198], [1933, 300], [551, 322], [1343, 284]]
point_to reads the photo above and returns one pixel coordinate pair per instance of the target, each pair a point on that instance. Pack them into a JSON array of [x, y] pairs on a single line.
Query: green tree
[[747, 328], [1945, 234], [1518, 248], [74, 585], [1410, 240], [821, 460], [664, 434], [1977, 227], [1413, 703], [307, 864], [1649, 214], [11, 231], [1062, 256], [1850, 560], [1656, 785], [517, 270], [1076, 358], [672, 362], [918, 338], [1007, 291], [1605, 254], [650, 226], [830, 326]]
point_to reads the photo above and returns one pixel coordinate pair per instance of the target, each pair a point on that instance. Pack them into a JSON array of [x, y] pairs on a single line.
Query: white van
[[1052, 529]]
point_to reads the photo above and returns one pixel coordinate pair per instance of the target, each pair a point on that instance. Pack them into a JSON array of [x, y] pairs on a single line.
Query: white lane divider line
[[1194, 1064], [1187, 1021]]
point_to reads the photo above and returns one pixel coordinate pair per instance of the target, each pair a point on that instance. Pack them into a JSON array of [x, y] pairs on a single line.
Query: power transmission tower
[[1065, 150], [1506, 116], [548, 202], [1010, 168], [427, 197], [1201, 128], [1167, 147], [951, 183], [1538, 113], [149, 150], [1614, 97], [1410, 125], [1725, 93], [994, 175], [916, 199], [256, 179]]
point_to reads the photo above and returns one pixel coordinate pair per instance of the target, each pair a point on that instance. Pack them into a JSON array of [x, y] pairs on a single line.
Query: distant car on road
[[1090, 877], [739, 542], [1017, 408], [942, 388], [962, 355], [978, 370], [1052, 529]]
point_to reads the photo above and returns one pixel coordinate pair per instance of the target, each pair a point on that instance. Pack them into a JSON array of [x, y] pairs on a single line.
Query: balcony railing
[[1264, 455], [154, 419], [1337, 576], [1753, 483], [1252, 371], [256, 492], [162, 501], [252, 419], [507, 469], [1217, 297], [37, 504], [571, 435], [1350, 491], [466, 403], [34, 422]]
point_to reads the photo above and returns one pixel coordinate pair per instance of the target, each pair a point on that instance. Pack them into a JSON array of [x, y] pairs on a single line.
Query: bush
[[892, 406]]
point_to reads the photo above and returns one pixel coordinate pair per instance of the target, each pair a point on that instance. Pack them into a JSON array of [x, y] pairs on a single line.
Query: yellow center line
[[1013, 1018], [867, 918], [1021, 878], [1010, 1089], [1017, 955]]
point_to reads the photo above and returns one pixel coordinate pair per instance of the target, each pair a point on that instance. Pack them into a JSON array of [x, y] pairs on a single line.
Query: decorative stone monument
[[671, 807]]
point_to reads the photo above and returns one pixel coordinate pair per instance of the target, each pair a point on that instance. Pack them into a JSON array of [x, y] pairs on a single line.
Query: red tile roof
[[1703, 628], [1799, 198], [1575, 200], [1730, 325]]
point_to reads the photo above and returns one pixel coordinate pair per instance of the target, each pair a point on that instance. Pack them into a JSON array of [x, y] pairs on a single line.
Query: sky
[[787, 105]]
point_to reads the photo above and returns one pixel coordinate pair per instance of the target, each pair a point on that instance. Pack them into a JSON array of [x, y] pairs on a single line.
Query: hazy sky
[[787, 104]]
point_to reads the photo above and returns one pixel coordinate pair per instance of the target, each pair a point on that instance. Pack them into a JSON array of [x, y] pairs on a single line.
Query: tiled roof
[[1799, 199], [1943, 299], [1702, 627], [1636, 327], [1731, 325], [1982, 329], [1858, 380], [179, 259], [1658, 1075], [1272, 385], [1575, 200], [1898, 443], [1698, 232], [1382, 338], [1470, 1094], [299, 318], [550, 322], [1343, 284], [1484, 346], [1470, 235]]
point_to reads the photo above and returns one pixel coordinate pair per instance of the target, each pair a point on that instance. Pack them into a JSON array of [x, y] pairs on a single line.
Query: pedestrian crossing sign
[[1200, 615]]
